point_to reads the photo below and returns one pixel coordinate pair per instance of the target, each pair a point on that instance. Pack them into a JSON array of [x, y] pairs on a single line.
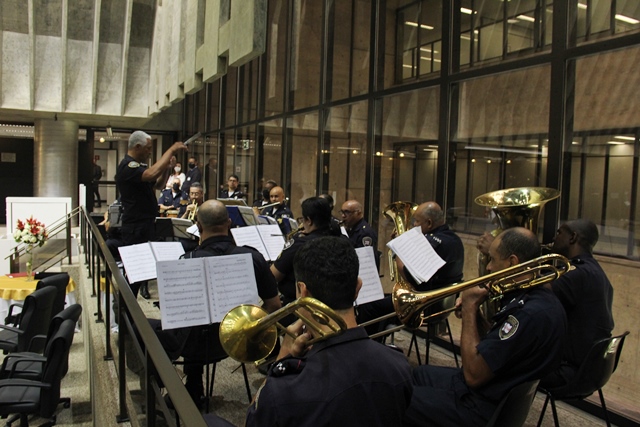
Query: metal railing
[[156, 363]]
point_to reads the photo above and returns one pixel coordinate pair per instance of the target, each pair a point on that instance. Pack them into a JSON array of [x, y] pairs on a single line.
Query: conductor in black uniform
[[585, 293], [523, 343], [136, 181]]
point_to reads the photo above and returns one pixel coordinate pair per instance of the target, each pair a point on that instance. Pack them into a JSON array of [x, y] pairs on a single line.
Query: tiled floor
[[230, 399]]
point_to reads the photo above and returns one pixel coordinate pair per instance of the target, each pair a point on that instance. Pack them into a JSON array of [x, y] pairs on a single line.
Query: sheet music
[[249, 236], [417, 254], [273, 240], [194, 230], [167, 251], [232, 281], [139, 262], [371, 287], [183, 293]]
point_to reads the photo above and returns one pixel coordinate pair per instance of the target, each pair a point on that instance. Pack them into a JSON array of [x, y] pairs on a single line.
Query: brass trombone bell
[[249, 334]]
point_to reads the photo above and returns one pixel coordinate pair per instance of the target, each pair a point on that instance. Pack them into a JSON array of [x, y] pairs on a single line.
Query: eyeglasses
[[346, 212]]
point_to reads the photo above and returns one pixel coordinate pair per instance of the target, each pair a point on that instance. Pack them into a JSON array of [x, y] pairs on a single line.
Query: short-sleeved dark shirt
[[192, 175], [138, 199], [587, 296], [347, 380]]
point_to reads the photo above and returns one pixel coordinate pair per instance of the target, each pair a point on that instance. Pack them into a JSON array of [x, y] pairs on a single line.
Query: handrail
[[156, 360]]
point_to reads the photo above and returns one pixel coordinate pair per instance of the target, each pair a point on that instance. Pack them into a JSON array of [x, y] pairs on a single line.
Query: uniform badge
[[509, 328], [288, 244], [134, 165], [367, 241]]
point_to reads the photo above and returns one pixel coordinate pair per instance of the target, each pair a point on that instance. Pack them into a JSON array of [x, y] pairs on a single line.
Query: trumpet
[[192, 213], [249, 334]]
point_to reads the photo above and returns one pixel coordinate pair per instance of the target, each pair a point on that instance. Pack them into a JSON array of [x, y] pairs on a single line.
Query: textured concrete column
[[55, 158]]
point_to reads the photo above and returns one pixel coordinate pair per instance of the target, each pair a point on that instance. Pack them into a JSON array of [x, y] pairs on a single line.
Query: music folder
[[267, 239], [200, 291]]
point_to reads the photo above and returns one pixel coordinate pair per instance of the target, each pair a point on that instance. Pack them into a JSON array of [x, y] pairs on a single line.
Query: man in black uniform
[[523, 344], [279, 211], [136, 182], [194, 174], [585, 293], [193, 343], [346, 379], [232, 191], [360, 232], [172, 198], [263, 198]]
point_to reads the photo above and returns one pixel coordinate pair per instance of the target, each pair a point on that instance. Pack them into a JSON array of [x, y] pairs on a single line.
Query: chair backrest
[[60, 282], [36, 317], [513, 409], [595, 370], [54, 366], [73, 313]]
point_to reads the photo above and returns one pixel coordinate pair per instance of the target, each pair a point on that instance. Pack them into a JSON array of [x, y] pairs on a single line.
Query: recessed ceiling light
[[626, 19]]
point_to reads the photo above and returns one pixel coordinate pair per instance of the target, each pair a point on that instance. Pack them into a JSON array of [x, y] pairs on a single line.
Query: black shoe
[[144, 292]]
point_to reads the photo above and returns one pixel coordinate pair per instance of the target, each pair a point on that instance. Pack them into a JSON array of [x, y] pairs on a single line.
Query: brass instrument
[[249, 334], [409, 305], [400, 213], [192, 213]]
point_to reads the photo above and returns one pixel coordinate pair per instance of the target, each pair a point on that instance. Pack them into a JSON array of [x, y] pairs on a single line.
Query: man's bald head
[[276, 195], [428, 216], [212, 214], [351, 213]]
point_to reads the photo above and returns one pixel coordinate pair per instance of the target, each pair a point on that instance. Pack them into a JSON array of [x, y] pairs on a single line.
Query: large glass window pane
[[345, 156], [271, 134], [275, 57], [306, 52], [210, 166], [230, 81], [214, 105], [249, 91], [627, 15], [304, 157]]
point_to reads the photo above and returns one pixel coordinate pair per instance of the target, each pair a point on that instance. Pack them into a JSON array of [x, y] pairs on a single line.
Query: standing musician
[[196, 198], [172, 199], [586, 294], [524, 343], [347, 379]]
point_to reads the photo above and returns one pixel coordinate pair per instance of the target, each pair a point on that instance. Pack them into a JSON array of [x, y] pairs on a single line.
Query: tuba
[[249, 334], [400, 213]]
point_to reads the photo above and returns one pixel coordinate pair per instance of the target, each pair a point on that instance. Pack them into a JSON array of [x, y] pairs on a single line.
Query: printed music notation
[[267, 239], [200, 291], [140, 260], [371, 287], [417, 254]]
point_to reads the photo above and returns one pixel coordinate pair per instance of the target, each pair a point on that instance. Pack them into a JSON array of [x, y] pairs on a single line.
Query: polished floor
[[229, 398]]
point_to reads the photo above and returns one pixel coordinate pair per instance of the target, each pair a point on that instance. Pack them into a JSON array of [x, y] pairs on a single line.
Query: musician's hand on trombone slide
[[295, 347]]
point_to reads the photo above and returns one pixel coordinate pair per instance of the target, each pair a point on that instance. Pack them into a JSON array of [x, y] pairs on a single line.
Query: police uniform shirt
[[449, 247], [193, 175], [224, 245], [278, 212], [587, 296], [167, 198], [362, 235], [225, 194], [347, 379], [138, 197], [524, 343]]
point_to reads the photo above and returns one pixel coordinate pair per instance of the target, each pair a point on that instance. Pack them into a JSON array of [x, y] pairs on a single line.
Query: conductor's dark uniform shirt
[[346, 380], [524, 343]]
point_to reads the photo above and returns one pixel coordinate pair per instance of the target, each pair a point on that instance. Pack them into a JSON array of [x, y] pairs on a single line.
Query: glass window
[[304, 158], [306, 52], [271, 136], [214, 104], [420, 31], [210, 166], [594, 18], [230, 81], [275, 57], [249, 91]]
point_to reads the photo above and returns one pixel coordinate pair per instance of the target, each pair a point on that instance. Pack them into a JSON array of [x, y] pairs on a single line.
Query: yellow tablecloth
[[17, 288]]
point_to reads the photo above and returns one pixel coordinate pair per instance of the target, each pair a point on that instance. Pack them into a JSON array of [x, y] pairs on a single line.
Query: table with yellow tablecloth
[[16, 289]]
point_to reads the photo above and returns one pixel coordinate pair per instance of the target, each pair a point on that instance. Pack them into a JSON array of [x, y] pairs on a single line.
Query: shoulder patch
[[287, 244], [509, 328], [367, 241], [134, 165]]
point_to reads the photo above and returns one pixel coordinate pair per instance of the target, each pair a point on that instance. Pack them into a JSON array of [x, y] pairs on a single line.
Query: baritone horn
[[249, 334], [410, 305]]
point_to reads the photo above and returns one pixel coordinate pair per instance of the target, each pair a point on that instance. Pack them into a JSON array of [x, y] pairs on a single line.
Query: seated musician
[[190, 343], [279, 211], [172, 199], [524, 343], [347, 379], [586, 294], [196, 194]]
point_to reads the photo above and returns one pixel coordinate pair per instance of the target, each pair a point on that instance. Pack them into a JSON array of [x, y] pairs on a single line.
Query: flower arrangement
[[30, 232]]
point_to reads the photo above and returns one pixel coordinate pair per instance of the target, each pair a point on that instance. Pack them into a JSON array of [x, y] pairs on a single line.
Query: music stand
[[241, 216], [171, 228]]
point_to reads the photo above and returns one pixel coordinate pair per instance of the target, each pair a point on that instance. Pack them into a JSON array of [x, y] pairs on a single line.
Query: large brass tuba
[[249, 334], [514, 207], [400, 213], [410, 305]]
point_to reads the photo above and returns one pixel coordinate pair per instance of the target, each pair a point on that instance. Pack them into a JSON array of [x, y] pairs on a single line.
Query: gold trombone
[[249, 334]]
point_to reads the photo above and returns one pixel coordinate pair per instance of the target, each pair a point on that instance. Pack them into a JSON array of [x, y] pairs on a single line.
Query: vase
[[29, 264]]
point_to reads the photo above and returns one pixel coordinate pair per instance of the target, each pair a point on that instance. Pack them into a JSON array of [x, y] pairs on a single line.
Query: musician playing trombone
[[523, 343], [347, 379]]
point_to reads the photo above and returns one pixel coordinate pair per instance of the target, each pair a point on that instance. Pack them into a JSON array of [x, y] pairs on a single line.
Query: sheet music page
[[167, 251], [417, 254], [273, 240], [139, 262], [371, 287], [183, 293], [249, 236], [194, 230], [344, 231], [231, 281]]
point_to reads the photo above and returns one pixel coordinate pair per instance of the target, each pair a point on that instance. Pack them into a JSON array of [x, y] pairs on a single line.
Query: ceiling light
[[109, 131], [415, 24], [503, 150], [401, 154], [626, 19], [526, 18], [626, 138], [582, 6], [407, 66], [355, 151], [616, 142], [426, 49], [489, 161], [102, 140], [473, 160], [575, 143], [508, 162], [465, 10]]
